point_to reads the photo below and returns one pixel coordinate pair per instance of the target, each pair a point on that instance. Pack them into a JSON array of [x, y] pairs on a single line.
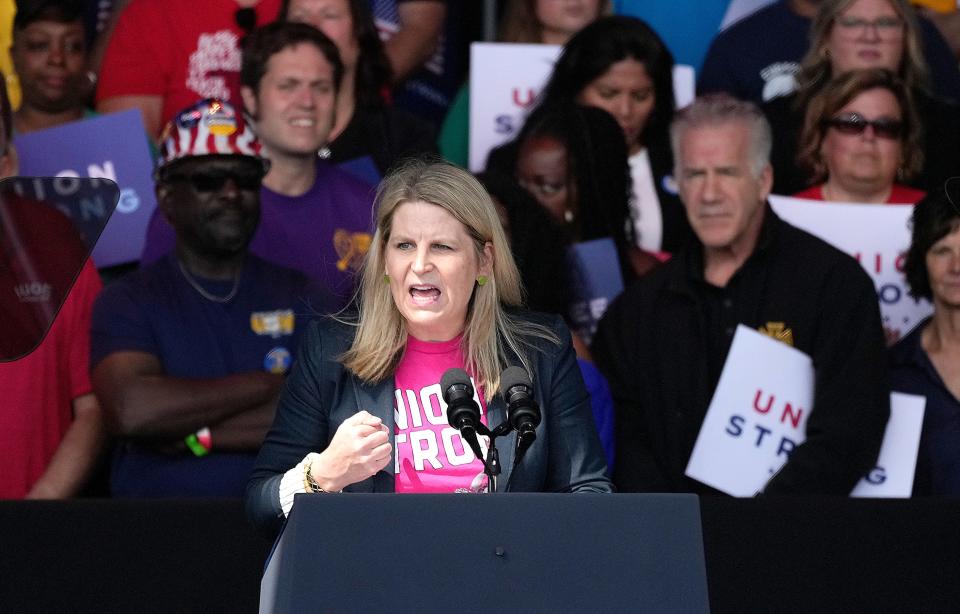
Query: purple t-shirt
[[324, 233]]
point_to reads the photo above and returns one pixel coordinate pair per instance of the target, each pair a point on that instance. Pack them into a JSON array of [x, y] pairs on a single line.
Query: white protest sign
[[758, 415], [505, 79], [876, 235], [893, 475]]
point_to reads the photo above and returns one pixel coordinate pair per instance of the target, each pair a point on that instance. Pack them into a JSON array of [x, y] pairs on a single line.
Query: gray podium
[[492, 554]]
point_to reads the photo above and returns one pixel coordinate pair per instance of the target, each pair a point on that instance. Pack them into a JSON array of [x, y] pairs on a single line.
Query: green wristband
[[195, 446]]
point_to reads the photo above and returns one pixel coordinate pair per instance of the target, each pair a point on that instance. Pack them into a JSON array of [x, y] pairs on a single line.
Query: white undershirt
[[292, 483], [645, 206]]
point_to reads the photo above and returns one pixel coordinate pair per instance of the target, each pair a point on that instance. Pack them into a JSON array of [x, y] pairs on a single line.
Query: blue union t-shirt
[[155, 310]]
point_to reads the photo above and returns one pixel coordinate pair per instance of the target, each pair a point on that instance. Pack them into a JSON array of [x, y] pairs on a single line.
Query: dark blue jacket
[[320, 394]]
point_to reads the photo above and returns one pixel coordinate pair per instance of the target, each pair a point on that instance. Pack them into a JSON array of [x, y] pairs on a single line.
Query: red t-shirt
[[899, 194], [36, 391], [430, 455], [182, 50]]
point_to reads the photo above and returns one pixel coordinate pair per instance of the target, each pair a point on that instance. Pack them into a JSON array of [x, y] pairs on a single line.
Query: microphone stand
[[491, 464]]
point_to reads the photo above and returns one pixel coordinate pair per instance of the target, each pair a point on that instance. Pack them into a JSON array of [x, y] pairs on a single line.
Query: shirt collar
[[692, 255]]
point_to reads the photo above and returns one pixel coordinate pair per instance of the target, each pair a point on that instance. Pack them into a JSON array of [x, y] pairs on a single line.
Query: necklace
[[210, 297]]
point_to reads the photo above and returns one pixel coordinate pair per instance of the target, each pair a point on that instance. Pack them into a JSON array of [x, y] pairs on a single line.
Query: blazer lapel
[[377, 399]]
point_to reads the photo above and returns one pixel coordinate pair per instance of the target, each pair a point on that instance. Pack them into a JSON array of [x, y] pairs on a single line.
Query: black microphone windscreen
[[452, 377], [513, 376]]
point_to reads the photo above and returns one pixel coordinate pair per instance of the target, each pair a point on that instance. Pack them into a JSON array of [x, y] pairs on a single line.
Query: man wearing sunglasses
[[663, 343], [189, 353], [315, 218]]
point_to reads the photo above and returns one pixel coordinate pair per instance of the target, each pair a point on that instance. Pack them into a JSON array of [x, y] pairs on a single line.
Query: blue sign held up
[[112, 147]]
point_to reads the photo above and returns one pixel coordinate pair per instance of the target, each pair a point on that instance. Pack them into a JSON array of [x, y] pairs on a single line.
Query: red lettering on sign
[[790, 414], [898, 263], [531, 96], [793, 417], [756, 402]]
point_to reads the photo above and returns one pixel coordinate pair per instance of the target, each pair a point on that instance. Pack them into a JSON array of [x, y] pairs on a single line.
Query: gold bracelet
[[309, 483]]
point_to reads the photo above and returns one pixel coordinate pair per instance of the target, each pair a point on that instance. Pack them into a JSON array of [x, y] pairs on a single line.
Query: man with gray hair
[[664, 341]]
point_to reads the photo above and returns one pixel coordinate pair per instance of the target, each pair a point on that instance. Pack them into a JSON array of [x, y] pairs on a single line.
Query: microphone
[[463, 413], [523, 413]]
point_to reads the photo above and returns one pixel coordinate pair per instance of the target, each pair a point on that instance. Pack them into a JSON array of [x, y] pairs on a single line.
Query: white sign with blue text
[[878, 237], [114, 147], [758, 415], [500, 100]]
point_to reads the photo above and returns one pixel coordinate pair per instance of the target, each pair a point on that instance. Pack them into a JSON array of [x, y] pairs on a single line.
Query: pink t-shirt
[[430, 455]]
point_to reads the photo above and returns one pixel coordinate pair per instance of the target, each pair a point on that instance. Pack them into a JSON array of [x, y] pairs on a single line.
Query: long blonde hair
[[490, 333], [815, 69]]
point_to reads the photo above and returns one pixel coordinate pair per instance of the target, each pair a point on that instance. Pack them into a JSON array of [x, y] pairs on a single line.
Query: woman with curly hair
[[859, 34]]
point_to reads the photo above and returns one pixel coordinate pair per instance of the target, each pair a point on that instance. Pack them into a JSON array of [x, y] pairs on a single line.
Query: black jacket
[[660, 355]]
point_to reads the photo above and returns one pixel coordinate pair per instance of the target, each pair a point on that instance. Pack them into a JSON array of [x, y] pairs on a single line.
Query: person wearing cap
[[188, 354], [315, 218]]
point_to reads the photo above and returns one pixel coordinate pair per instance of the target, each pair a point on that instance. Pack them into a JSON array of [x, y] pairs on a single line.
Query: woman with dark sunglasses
[[861, 136], [849, 35]]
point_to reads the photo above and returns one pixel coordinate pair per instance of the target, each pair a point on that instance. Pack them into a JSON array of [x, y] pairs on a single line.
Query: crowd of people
[[319, 261]]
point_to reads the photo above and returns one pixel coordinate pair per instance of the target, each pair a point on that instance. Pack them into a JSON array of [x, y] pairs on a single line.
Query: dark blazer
[[320, 394]]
